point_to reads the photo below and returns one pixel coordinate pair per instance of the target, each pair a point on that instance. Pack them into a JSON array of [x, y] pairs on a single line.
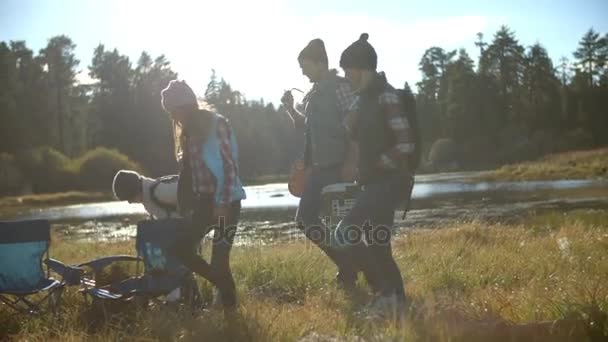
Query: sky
[[254, 44]]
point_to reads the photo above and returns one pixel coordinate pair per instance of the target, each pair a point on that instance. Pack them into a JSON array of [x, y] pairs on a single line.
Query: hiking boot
[[174, 296], [346, 280], [387, 307]]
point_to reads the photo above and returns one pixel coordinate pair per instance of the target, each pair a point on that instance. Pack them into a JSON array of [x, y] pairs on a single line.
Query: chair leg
[[24, 305], [142, 302], [32, 308], [55, 300], [13, 303], [192, 295], [99, 306]]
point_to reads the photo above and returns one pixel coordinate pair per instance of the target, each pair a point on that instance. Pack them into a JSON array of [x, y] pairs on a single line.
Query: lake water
[[269, 209]]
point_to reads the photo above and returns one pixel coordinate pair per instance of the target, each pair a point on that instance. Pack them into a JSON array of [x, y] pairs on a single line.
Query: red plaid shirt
[[345, 96], [398, 125], [203, 181]]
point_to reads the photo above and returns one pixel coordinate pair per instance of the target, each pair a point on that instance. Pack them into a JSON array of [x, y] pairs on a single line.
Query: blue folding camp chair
[[24, 248], [162, 272]]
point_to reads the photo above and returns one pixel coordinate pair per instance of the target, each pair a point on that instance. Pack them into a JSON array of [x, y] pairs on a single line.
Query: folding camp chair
[[162, 272], [24, 248]]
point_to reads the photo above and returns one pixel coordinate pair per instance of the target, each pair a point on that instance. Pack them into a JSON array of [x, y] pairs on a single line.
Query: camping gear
[[25, 267], [298, 177], [338, 199]]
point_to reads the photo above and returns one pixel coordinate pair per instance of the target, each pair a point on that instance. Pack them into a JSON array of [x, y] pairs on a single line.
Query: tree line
[[513, 103]]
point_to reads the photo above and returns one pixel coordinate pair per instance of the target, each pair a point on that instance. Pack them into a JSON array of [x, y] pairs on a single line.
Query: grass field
[[544, 278], [590, 164]]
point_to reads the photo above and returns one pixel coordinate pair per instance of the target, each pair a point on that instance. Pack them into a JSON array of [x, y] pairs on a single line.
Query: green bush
[[443, 153], [97, 168], [47, 169], [11, 178]]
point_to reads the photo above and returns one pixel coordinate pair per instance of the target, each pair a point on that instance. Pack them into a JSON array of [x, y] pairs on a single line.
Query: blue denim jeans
[[310, 222], [365, 233]]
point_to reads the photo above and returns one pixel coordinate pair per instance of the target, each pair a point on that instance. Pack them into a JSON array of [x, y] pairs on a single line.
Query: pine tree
[[591, 55]]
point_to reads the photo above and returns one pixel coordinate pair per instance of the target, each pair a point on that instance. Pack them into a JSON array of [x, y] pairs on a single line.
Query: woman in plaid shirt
[[209, 188]]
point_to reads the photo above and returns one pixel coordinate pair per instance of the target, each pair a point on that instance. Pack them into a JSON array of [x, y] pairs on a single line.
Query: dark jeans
[[218, 271], [366, 232], [313, 227]]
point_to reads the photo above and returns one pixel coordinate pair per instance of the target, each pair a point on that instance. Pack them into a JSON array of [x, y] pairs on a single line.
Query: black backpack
[[409, 109]]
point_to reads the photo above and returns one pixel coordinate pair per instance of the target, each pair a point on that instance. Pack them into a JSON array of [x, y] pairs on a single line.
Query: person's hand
[[221, 210], [287, 100]]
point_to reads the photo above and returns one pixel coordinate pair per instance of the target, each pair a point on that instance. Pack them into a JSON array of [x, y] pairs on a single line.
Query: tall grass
[[570, 165], [468, 281]]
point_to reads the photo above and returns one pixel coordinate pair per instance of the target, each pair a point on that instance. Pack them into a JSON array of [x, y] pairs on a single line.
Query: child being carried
[[158, 196]]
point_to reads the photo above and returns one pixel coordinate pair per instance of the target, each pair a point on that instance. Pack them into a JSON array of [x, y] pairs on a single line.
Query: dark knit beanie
[[360, 55], [314, 51]]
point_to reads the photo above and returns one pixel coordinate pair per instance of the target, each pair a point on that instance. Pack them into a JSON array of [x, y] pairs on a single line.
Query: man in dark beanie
[[360, 55], [328, 152], [315, 52], [386, 143]]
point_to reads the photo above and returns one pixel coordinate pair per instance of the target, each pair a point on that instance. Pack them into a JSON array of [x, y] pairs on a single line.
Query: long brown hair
[[196, 125]]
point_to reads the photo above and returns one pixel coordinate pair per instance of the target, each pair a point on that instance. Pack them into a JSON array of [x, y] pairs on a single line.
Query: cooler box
[[338, 199]]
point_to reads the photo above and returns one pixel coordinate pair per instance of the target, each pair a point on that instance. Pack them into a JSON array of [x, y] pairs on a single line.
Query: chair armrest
[[71, 275], [98, 264]]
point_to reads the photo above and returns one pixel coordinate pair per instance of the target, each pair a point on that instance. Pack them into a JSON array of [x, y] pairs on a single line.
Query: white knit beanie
[[178, 94]]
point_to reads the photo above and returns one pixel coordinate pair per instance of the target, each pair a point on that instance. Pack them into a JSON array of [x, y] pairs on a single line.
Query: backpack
[[409, 109], [169, 208]]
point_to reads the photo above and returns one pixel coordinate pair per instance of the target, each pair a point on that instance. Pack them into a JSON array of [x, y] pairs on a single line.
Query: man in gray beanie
[[328, 152]]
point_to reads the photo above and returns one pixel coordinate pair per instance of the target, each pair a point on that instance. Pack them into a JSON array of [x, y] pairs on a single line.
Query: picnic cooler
[[338, 199]]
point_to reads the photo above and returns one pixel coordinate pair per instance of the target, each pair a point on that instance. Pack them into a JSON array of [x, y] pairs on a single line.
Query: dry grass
[[571, 165], [12, 205], [469, 282]]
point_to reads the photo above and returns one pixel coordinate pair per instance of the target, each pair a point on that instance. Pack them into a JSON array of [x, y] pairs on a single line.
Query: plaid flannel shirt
[[345, 96], [203, 181], [400, 127]]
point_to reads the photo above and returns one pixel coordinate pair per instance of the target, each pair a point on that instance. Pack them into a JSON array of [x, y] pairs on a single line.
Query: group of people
[[356, 129]]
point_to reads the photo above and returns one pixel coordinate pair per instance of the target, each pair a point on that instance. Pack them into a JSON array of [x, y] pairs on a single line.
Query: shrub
[[443, 153], [47, 169], [97, 168]]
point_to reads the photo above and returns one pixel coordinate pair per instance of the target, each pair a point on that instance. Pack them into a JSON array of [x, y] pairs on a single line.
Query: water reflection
[[269, 209], [276, 197]]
